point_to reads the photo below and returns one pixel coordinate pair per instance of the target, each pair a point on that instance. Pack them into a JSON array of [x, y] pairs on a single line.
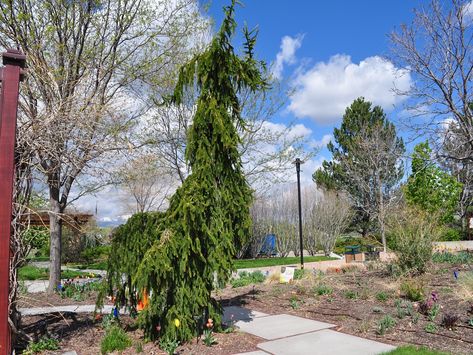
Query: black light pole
[[298, 169]]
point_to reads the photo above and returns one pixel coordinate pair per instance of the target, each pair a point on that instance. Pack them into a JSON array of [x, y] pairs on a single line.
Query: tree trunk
[[55, 227]]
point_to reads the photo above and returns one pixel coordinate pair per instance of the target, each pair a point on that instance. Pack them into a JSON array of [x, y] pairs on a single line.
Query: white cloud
[[291, 132], [286, 55], [468, 11], [322, 143], [324, 91]]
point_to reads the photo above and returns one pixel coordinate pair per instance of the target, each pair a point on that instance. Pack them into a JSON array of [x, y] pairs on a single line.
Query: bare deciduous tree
[[88, 63], [268, 149], [437, 50], [283, 214], [261, 228], [146, 182], [330, 216]]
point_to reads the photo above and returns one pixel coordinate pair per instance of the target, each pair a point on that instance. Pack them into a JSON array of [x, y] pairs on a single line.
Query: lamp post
[[10, 76], [298, 163]]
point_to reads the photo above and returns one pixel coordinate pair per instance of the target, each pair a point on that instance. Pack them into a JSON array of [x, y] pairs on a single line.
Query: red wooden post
[[14, 62]]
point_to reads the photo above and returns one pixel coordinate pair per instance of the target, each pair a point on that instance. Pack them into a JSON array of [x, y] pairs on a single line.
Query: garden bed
[[359, 302], [83, 333], [366, 303]]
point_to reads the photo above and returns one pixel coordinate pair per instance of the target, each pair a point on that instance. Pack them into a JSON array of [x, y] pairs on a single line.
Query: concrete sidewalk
[[291, 335]]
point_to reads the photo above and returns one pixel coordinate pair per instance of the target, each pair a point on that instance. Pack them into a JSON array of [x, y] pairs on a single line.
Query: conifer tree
[[366, 163], [208, 217]]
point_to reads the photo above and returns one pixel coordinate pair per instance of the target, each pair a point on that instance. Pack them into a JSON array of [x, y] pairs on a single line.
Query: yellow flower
[[177, 322]]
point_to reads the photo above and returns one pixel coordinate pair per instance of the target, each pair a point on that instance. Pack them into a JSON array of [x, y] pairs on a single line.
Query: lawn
[[29, 272], [253, 263], [239, 264], [412, 350], [100, 265]]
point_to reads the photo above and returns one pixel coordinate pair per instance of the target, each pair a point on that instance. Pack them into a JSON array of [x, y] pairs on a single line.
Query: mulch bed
[[353, 306], [82, 333]]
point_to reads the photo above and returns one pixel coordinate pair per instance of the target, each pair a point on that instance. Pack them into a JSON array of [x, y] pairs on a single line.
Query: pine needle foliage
[[208, 217], [129, 245]]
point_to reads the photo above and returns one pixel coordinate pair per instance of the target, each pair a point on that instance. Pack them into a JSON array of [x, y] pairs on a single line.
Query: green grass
[[412, 350], [101, 265], [253, 263], [39, 258], [29, 272], [239, 264]]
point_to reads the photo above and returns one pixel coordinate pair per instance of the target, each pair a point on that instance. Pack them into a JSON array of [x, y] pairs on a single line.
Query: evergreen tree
[[366, 162], [431, 188], [208, 218]]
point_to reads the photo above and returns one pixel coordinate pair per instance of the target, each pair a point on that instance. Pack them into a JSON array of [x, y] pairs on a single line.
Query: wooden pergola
[[73, 220]]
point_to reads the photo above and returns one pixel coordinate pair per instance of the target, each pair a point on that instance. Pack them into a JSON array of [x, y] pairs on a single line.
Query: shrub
[[400, 311], [37, 237], [294, 302], [431, 328], [115, 339], [451, 234], [413, 289], [352, 295], [412, 233], [378, 310], [382, 296], [449, 320], [386, 323], [169, 346], [42, 345], [245, 278], [299, 274], [462, 257], [323, 289], [95, 253], [209, 339]]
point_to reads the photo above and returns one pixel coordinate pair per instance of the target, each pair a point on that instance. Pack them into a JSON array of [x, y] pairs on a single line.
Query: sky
[[329, 53]]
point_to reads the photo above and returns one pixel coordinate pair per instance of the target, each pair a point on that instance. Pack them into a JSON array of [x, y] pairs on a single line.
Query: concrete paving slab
[[254, 353], [235, 314], [280, 326], [325, 342], [36, 286], [74, 309]]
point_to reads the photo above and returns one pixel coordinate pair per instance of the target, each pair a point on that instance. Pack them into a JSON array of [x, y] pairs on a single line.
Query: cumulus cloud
[[468, 11], [321, 143], [324, 91], [291, 132], [287, 53]]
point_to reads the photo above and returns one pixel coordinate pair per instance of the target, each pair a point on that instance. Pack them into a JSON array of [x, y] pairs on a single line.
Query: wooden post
[[14, 62]]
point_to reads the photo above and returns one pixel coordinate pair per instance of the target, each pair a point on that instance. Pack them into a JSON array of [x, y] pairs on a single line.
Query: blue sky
[[331, 52]]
